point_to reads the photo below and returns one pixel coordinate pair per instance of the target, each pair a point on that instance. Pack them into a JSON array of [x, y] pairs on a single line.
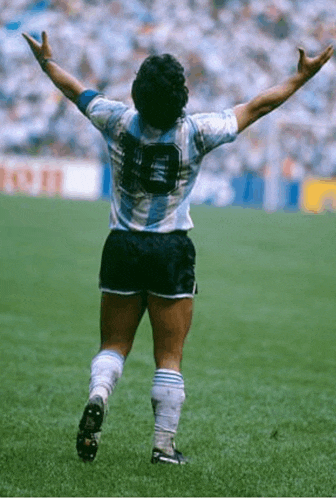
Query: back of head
[[159, 92]]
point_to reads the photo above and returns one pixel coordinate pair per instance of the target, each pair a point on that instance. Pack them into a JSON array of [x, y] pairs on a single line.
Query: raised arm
[[269, 100], [68, 85]]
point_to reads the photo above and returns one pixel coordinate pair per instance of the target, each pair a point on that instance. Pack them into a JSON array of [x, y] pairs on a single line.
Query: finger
[[44, 39], [31, 41], [302, 54], [329, 52], [326, 55]]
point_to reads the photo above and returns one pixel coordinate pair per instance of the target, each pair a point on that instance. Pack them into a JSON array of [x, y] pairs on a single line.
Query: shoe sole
[[89, 432]]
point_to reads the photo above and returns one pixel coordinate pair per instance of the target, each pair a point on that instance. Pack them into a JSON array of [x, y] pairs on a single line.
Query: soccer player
[[148, 259]]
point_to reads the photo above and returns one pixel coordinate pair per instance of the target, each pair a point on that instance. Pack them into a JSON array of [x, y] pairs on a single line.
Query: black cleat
[[159, 456], [90, 429]]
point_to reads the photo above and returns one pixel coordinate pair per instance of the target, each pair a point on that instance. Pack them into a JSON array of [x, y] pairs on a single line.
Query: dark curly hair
[[159, 91]]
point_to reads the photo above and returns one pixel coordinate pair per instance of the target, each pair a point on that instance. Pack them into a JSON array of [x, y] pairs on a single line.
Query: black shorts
[[162, 264]]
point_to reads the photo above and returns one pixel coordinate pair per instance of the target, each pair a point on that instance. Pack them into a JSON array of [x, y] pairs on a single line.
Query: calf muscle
[[170, 320]]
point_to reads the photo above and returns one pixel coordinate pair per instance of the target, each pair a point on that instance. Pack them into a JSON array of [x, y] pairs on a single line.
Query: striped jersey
[[154, 171]]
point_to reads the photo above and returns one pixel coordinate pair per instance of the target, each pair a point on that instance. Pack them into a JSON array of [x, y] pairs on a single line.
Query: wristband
[[44, 62]]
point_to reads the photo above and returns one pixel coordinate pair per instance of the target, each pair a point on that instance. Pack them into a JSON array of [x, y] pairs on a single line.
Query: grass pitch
[[259, 363]]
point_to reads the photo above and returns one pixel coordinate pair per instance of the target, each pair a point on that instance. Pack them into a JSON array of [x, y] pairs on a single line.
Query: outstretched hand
[[272, 98], [308, 66], [69, 85], [41, 51]]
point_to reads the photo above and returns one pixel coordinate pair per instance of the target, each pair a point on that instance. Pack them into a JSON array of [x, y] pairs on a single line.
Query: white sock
[[167, 398], [106, 369]]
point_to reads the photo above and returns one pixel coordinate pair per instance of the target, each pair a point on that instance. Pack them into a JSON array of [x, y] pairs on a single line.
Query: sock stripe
[[168, 377]]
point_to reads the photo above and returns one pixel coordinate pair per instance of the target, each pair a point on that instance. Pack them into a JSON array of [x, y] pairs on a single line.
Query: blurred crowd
[[231, 49]]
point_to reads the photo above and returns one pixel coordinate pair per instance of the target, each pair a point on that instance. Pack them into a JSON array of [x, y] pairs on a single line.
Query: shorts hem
[[122, 293], [175, 296]]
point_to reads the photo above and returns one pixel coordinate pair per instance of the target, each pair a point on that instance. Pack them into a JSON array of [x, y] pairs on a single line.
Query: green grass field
[[259, 363]]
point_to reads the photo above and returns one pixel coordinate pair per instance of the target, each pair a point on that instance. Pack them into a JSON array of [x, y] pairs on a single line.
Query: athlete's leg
[[120, 317], [119, 320], [170, 320]]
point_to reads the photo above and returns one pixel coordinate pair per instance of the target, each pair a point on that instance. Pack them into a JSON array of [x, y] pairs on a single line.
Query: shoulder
[[99, 109], [91, 100], [214, 129], [211, 120]]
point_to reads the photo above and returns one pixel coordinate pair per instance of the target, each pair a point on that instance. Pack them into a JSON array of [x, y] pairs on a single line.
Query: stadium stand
[[232, 49]]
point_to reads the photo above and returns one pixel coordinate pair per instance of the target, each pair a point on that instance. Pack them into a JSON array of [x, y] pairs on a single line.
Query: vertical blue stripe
[[134, 127], [106, 181], [157, 210], [127, 204], [160, 203]]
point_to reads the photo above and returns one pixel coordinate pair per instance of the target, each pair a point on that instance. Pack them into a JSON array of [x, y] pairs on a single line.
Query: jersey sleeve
[[215, 129], [102, 112]]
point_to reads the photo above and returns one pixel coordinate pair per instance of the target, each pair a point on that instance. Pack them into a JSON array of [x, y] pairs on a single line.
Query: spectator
[[220, 42]]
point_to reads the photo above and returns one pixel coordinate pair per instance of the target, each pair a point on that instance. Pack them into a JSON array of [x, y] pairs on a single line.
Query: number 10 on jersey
[[153, 167]]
